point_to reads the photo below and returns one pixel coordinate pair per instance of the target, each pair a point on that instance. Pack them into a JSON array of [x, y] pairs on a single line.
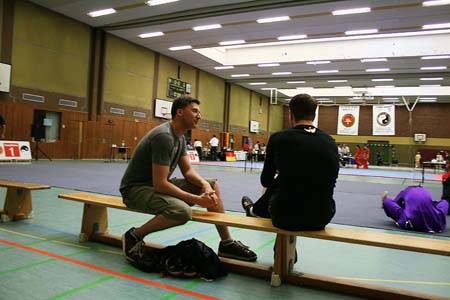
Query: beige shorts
[[145, 199]]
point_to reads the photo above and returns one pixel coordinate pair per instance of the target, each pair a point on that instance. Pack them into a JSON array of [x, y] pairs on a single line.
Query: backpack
[[189, 258]]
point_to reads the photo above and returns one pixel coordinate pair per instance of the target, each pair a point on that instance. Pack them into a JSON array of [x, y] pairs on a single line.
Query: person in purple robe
[[413, 209]]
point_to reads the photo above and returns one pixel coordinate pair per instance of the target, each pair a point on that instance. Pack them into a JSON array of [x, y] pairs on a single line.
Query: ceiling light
[[236, 42], [150, 34], [274, 19], [436, 26], [281, 73], [268, 65], [430, 85], [436, 2], [378, 70], [339, 80], [390, 98], [318, 62], [363, 31], [240, 75], [432, 78], [294, 82], [327, 71], [428, 98], [359, 10], [102, 12], [206, 27], [176, 48], [436, 57], [434, 68], [324, 99], [223, 67], [258, 83], [159, 2], [383, 79], [343, 87], [365, 60], [292, 37], [384, 86]]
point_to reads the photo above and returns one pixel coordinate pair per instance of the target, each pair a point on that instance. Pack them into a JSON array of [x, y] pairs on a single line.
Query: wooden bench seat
[[18, 203], [95, 227]]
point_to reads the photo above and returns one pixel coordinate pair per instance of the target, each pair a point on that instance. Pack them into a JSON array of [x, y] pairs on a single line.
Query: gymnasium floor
[[41, 258]]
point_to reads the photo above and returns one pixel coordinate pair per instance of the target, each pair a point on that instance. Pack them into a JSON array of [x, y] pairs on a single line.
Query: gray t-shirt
[[160, 146]]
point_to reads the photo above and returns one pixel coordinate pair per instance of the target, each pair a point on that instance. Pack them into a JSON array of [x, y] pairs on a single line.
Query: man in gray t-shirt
[[147, 186]]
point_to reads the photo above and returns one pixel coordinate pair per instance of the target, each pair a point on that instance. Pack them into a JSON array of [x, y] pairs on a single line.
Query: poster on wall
[[383, 119], [348, 120], [316, 119], [15, 150], [163, 109]]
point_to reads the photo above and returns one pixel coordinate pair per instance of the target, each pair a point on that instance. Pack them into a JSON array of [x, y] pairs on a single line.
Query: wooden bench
[[18, 199], [95, 227]]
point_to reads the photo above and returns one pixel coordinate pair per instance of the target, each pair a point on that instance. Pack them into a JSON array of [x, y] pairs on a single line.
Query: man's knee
[[181, 213]]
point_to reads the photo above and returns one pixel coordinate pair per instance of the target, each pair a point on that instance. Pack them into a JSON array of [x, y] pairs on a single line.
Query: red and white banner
[[348, 120], [15, 150], [383, 117]]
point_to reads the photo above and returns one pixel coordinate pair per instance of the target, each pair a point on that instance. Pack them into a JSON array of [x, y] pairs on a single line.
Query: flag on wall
[[348, 120], [383, 119], [316, 119]]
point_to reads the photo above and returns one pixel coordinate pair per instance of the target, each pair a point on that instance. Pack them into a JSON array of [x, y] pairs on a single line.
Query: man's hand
[[208, 200]]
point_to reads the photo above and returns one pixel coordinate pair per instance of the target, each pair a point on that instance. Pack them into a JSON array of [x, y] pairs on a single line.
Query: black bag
[[190, 258]]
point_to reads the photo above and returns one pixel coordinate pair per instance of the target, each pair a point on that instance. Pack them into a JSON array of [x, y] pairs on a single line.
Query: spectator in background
[[198, 147], [417, 159], [214, 143], [2, 127], [446, 183], [366, 156], [358, 156], [246, 147]]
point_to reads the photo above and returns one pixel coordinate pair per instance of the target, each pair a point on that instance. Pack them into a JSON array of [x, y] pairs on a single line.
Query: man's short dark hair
[[303, 107], [181, 103]]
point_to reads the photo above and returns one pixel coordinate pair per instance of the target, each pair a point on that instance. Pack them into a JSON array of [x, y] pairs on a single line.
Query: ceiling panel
[[238, 19]]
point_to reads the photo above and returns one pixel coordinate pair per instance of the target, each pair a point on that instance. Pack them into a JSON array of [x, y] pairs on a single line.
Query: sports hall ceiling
[[312, 51]]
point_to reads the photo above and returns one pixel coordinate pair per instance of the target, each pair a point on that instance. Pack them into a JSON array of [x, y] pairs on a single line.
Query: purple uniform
[[414, 209]]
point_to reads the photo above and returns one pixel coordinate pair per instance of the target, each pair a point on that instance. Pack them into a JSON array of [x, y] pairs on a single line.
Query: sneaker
[[247, 204], [132, 245], [236, 250], [383, 196]]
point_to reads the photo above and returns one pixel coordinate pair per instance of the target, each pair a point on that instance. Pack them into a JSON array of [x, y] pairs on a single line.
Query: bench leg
[[284, 258], [95, 221], [17, 204]]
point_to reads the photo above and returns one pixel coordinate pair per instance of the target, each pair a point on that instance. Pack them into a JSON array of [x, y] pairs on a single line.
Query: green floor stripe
[[6, 248], [80, 288], [82, 252], [268, 243], [27, 266], [189, 285]]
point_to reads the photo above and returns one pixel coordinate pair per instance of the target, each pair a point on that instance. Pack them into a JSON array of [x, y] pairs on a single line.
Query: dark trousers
[[213, 153], [261, 207]]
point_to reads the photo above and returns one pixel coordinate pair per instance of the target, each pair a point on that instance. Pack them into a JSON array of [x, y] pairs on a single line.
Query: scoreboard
[[177, 88]]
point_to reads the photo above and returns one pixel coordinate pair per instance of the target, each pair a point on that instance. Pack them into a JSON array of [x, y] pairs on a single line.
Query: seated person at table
[[414, 209], [299, 172]]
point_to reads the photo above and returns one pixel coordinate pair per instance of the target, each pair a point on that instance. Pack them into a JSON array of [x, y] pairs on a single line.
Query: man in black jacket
[[300, 173]]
